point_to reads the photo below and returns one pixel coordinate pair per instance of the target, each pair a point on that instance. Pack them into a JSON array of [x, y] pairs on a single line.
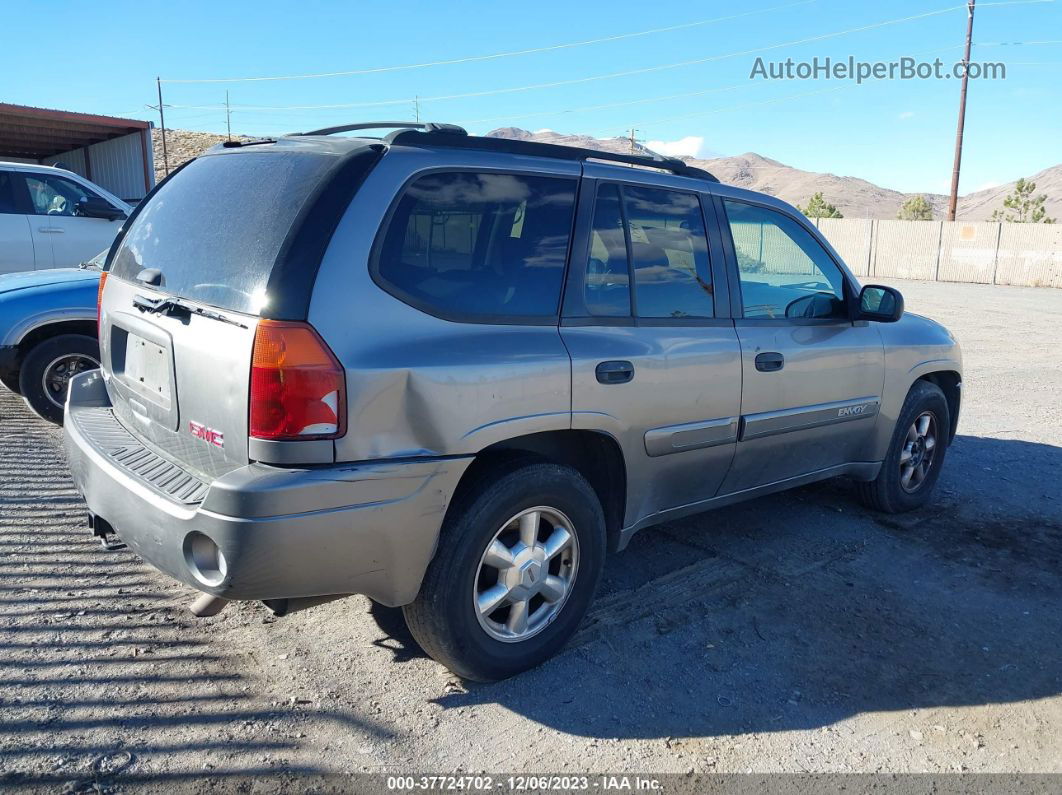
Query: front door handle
[[770, 362], [52, 229], [615, 372]]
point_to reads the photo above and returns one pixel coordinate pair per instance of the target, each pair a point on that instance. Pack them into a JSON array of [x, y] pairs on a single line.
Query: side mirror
[[95, 207], [880, 303]]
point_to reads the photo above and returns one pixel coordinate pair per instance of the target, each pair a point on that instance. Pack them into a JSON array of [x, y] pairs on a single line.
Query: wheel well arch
[[595, 455], [950, 383], [47, 330]]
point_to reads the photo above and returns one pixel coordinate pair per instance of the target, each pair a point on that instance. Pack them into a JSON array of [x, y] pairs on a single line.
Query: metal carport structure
[[112, 152]]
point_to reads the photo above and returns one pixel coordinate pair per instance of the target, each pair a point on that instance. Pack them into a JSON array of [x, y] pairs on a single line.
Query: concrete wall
[[949, 251]]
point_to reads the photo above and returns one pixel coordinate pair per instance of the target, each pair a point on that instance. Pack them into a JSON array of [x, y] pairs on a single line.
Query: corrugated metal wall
[[905, 249], [967, 251], [949, 251], [1030, 254], [852, 238], [117, 165], [71, 161]]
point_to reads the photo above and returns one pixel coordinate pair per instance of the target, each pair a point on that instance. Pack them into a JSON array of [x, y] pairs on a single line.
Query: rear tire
[[533, 531], [916, 453], [47, 368]]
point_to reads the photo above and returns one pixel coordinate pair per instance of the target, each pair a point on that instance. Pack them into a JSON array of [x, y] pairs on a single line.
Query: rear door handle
[[770, 362], [615, 372], [52, 229]]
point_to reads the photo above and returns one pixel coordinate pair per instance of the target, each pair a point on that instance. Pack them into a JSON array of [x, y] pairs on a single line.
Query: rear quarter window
[[479, 246], [215, 230]]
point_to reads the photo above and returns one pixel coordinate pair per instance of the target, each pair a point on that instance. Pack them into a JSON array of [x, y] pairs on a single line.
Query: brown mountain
[[854, 197]]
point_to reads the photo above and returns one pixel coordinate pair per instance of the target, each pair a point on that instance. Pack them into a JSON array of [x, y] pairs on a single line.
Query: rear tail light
[[298, 390], [99, 298]]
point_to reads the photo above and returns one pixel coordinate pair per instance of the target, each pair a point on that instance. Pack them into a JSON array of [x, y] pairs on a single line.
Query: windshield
[[215, 229]]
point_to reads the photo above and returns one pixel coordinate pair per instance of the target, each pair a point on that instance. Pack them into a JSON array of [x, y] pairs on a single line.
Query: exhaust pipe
[[283, 607], [208, 605]]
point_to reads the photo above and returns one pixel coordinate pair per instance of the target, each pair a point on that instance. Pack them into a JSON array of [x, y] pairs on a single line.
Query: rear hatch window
[[219, 232], [214, 231]]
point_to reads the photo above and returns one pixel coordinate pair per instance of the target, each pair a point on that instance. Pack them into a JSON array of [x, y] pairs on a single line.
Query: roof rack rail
[[426, 126], [412, 137]]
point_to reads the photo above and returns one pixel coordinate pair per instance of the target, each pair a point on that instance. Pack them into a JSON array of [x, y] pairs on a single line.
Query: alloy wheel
[[918, 452], [526, 574], [57, 375]]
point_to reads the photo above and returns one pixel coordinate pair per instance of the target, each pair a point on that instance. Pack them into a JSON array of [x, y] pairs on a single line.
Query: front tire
[[520, 556], [48, 368], [916, 453]]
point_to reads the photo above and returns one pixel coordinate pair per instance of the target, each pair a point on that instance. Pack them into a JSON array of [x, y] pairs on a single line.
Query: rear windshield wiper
[[175, 307]]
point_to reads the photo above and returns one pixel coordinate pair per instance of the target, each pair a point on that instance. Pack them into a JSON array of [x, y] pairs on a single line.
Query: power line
[[494, 56], [646, 100], [612, 75]]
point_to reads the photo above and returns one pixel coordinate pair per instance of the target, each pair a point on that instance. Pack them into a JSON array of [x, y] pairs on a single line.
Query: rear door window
[[669, 252], [215, 230], [658, 236], [479, 246]]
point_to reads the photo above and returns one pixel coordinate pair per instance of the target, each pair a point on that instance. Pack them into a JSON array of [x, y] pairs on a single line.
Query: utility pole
[[634, 140], [953, 200], [228, 116], [416, 107], [162, 125]]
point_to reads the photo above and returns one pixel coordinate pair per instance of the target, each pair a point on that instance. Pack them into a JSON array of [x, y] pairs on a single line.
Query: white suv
[[52, 218]]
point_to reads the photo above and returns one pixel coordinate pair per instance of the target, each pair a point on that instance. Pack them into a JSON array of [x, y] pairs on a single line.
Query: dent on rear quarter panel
[[418, 385], [914, 346]]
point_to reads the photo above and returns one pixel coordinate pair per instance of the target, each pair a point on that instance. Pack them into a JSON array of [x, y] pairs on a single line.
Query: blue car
[[48, 332]]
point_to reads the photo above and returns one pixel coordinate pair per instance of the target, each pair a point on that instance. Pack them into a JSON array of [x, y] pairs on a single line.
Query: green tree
[[1022, 207], [818, 207], [915, 208]]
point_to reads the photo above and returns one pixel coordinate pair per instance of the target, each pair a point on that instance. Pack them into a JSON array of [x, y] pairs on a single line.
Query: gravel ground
[[795, 633]]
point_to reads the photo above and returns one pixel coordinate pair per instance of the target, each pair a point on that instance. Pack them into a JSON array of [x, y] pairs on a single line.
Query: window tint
[[669, 252], [53, 195], [607, 286], [668, 249], [784, 271], [215, 229], [8, 204], [480, 245]]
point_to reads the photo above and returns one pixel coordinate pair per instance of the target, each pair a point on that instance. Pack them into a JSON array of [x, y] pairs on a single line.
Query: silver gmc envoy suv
[[451, 372]]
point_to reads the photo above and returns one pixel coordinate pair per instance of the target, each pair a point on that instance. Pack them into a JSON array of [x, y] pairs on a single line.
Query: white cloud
[[543, 130], [690, 146], [907, 114]]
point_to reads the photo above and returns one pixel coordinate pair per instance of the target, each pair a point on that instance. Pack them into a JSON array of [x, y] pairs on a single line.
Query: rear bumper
[[263, 532]]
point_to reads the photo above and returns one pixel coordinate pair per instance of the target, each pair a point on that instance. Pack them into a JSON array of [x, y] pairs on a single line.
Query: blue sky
[[104, 57]]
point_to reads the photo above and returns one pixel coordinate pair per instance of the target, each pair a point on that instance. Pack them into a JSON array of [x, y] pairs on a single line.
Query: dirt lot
[[796, 633]]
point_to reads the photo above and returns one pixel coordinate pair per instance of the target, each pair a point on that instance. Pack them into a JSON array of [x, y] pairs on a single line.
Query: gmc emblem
[[216, 438]]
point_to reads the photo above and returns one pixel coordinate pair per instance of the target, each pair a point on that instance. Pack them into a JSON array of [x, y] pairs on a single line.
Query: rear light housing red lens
[[99, 299], [298, 388]]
